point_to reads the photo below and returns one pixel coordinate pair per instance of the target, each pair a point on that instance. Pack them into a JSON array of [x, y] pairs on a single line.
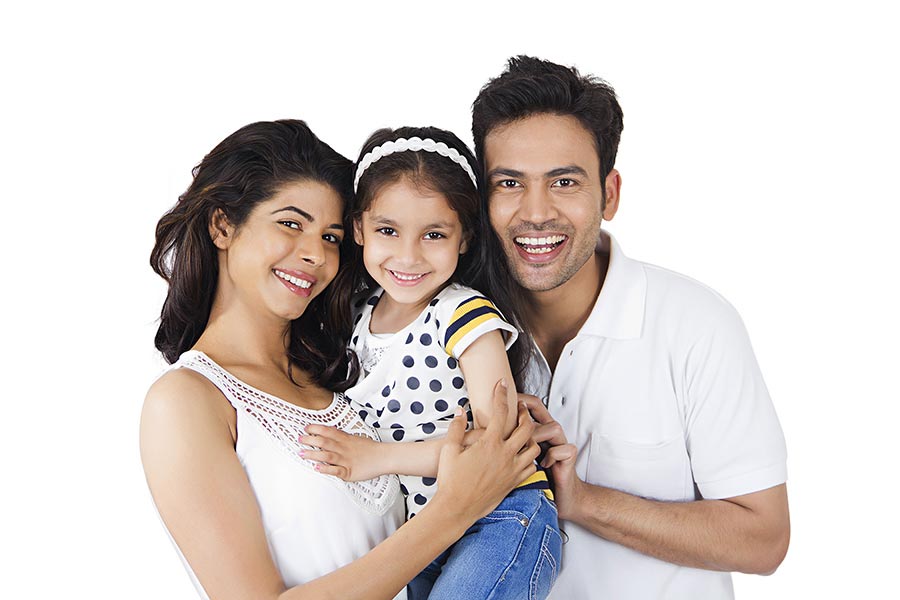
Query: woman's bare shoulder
[[183, 398]]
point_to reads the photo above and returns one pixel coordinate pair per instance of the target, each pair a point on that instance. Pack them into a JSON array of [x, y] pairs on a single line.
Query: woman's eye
[[386, 231], [434, 235], [291, 224], [330, 237]]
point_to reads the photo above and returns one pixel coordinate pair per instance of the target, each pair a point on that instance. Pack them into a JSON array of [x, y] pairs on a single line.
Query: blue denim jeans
[[511, 554]]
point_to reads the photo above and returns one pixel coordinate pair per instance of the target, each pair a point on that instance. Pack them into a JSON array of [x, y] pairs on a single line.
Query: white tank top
[[314, 523]]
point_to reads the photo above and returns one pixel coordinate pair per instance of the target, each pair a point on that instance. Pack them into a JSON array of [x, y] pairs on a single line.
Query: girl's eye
[[434, 235], [291, 225], [386, 231]]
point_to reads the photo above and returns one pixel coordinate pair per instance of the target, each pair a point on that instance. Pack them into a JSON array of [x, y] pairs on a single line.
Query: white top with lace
[[314, 523]]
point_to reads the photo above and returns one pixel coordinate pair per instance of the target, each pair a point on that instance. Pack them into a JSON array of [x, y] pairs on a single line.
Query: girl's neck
[[390, 316]]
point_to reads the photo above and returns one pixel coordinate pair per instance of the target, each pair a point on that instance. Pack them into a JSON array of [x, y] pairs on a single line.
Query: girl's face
[[285, 253], [411, 241]]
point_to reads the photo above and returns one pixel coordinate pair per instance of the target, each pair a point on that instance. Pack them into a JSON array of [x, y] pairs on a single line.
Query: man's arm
[[748, 533]]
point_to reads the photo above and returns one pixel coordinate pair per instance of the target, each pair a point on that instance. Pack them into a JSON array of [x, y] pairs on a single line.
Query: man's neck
[[555, 316]]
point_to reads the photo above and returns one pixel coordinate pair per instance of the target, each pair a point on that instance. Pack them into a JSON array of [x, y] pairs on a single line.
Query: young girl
[[257, 340], [428, 344]]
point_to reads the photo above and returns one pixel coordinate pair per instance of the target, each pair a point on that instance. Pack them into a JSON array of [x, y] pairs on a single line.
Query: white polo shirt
[[663, 397]]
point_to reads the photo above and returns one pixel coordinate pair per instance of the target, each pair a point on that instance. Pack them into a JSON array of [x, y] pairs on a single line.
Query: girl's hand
[[344, 455], [472, 480]]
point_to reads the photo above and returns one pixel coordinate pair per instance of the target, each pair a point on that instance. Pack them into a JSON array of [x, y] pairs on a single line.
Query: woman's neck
[[236, 336]]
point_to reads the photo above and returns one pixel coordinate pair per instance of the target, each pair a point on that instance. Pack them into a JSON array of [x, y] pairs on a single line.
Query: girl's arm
[[357, 458], [482, 362], [205, 499]]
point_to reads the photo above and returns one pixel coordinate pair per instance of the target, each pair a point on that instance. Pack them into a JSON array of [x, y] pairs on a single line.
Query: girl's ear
[[221, 232], [357, 232], [464, 244]]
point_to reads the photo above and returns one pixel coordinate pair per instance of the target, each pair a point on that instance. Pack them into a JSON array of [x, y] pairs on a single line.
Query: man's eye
[[507, 183], [564, 182], [386, 231]]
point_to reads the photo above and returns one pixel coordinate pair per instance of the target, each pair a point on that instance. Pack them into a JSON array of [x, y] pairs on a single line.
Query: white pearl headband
[[413, 144]]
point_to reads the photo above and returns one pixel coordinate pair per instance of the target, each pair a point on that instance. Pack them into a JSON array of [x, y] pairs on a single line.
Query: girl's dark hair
[[483, 266], [245, 169], [531, 86]]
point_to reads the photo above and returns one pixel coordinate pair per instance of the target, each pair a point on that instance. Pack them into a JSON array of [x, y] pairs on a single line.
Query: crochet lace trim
[[284, 421]]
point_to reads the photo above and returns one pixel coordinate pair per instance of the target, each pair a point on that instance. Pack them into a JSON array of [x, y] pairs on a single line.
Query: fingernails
[[459, 411], [302, 453], [317, 468]]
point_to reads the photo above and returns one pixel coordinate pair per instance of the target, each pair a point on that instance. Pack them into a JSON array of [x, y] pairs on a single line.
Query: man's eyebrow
[[558, 171], [306, 216], [505, 172], [569, 170]]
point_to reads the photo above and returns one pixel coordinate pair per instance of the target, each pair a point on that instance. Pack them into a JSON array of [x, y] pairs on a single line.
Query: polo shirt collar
[[618, 312]]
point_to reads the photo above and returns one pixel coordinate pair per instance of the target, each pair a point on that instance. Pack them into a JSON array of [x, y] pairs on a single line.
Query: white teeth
[[541, 245], [404, 277], [529, 241], [301, 283]]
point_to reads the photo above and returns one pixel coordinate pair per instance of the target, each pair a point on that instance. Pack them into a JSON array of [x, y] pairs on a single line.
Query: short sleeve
[[733, 435], [468, 318]]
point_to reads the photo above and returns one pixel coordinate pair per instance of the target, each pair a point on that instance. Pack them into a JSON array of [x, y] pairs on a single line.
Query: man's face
[[545, 197]]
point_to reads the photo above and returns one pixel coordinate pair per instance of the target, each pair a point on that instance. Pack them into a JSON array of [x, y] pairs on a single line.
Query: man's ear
[[613, 187], [357, 232], [221, 232]]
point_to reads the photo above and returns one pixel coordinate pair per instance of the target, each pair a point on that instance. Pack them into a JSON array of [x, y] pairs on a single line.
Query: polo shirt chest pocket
[[658, 471]]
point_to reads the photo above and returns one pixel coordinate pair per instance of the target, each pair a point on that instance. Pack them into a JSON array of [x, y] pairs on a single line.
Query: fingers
[[456, 431], [563, 453], [339, 472], [550, 432], [521, 435], [500, 410], [538, 411]]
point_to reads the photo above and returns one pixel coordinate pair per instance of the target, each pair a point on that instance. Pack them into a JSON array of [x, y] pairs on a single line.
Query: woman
[[259, 348]]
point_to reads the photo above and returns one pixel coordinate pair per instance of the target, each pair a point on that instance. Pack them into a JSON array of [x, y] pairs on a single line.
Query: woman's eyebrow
[[306, 216], [300, 212]]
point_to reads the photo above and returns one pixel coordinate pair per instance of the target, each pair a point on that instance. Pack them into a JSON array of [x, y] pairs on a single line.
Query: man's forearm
[[747, 533]]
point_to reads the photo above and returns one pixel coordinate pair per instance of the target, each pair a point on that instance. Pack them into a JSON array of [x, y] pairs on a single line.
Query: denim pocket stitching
[[546, 558]]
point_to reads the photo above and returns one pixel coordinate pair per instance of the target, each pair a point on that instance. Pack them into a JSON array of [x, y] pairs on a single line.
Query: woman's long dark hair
[[246, 168], [483, 267]]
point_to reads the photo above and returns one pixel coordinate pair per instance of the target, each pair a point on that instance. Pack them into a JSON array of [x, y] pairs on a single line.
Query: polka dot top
[[410, 393]]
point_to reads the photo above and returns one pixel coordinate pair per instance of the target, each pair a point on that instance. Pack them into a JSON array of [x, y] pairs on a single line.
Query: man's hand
[[344, 455], [559, 458]]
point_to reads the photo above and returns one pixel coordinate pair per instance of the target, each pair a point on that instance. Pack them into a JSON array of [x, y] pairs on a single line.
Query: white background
[[759, 156]]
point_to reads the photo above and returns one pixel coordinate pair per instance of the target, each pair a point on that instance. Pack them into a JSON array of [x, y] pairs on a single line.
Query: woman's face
[[285, 253]]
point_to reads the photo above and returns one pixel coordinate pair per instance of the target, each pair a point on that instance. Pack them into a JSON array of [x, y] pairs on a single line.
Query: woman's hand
[[344, 455], [472, 480]]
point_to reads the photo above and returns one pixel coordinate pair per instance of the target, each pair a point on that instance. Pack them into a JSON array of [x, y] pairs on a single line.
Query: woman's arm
[[205, 499]]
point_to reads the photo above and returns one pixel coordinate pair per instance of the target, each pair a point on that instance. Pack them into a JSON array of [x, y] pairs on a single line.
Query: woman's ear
[[221, 232]]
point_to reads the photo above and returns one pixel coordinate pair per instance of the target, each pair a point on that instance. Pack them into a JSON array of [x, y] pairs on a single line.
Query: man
[[676, 473]]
